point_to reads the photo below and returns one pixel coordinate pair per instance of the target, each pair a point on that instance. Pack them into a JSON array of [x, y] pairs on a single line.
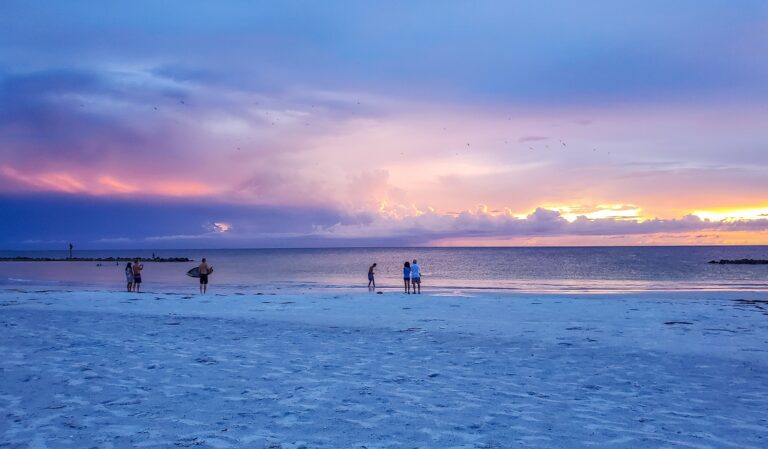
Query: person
[[129, 276], [407, 277], [137, 267], [205, 270], [415, 276], [371, 280]]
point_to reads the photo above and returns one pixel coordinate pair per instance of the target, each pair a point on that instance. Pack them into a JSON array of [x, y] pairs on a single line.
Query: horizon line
[[385, 247]]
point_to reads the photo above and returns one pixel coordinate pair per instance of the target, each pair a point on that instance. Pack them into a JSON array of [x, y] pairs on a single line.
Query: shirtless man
[[204, 271], [137, 267]]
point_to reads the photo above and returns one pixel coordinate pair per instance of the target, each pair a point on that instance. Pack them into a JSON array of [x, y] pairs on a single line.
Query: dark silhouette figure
[[129, 276], [371, 280]]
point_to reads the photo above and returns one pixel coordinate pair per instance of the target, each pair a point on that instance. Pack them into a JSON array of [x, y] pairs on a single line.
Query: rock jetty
[[92, 259], [740, 262]]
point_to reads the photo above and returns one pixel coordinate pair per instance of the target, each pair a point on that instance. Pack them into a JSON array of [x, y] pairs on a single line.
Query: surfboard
[[195, 272]]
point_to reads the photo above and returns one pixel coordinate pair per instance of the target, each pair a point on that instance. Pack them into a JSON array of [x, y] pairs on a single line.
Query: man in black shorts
[[204, 270], [137, 267]]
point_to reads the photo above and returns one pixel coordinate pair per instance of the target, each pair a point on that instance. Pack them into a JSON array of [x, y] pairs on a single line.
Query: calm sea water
[[524, 269]]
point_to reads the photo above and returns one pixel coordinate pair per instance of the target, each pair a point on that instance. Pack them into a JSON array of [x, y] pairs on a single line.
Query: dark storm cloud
[[31, 221]]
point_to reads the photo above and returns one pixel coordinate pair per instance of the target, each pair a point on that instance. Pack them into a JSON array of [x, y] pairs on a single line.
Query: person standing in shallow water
[[415, 276], [129, 276], [407, 277], [371, 280], [137, 267], [205, 270]]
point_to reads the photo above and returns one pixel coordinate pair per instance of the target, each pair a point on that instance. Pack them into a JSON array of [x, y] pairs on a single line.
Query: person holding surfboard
[[204, 270]]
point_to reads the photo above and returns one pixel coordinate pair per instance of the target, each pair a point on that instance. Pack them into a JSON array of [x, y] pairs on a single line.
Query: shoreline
[[754, 291], [93, 259]]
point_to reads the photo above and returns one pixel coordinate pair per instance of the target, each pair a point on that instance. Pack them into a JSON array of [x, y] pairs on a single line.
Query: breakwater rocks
[[740, 262], [92, 259]]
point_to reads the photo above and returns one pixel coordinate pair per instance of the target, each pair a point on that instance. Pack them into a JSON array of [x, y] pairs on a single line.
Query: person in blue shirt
[[407, 276], [415, 276]]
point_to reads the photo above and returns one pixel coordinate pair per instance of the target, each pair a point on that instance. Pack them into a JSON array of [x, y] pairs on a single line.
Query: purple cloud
[[532, 138]]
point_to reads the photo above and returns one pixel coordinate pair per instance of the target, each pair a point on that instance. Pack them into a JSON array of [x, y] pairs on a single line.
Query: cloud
[[50, 181], [532, 138], [527, 52], [221, 227], [116, 185], [480, 223], [127, 131], [107, 223], [96, 131]]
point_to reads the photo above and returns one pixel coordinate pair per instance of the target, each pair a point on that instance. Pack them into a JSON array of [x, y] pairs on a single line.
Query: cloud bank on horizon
[[343, 123]]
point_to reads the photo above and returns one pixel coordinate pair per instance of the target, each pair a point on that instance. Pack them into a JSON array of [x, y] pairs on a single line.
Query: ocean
[[541, 269]]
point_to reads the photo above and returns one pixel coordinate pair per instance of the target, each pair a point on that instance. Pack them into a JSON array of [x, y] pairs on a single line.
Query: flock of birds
[[273, 122], [546, 146]]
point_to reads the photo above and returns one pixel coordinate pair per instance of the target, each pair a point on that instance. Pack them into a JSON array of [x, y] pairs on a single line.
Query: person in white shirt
[[416, 276]]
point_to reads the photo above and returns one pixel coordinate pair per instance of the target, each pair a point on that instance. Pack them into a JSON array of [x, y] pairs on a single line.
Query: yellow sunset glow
[[596, 212], [756, 213]]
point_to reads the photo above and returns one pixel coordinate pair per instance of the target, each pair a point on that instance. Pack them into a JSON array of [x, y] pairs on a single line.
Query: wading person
[[137, 267], [371, 280], [407, 277], [129, 276], [205, 270], [415, 276]]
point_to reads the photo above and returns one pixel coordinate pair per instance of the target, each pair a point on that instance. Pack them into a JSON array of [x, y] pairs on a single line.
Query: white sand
[[358, 370]]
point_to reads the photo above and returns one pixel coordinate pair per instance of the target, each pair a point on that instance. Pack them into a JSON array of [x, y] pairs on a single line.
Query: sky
[[185, 124]]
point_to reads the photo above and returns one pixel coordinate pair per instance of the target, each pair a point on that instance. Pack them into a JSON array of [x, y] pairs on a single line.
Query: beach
[[351, 369]]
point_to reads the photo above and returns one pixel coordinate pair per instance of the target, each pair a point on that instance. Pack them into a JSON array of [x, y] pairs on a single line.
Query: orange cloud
[[662, 239], [103, 185], [62, 182], [221, 227], [55, 181], [181, 188], [116, 186]]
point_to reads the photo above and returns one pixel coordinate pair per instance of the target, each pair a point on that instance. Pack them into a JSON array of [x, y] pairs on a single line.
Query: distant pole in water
[[70, 250]]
